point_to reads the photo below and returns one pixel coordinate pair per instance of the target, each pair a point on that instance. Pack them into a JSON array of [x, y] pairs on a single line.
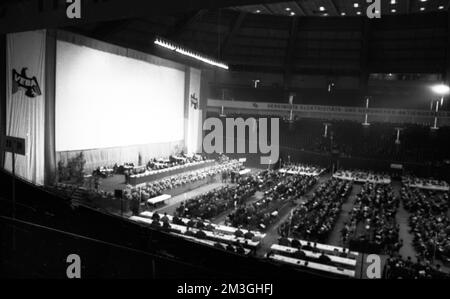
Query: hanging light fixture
[[187, 52]]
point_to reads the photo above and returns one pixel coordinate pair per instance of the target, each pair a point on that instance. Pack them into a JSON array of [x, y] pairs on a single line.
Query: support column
[[204, 96], [187, 83], [50, 169], [2, 96]]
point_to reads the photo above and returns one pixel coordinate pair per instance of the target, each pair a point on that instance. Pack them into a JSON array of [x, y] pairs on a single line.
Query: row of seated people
[[314, 256], [301, 255], [324, 258], [424, 183], [156, 188], [399, 268], [153, 164], [429, 222], [200, 226], [372, 219], [303, 168], [315, 218], [69, 190], [173, 160], [363, 176], [261, 213], [213, 203], [313, 246]]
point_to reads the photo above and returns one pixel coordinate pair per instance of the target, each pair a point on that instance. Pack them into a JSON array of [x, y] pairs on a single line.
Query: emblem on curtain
[[194, 101], [21, 80]]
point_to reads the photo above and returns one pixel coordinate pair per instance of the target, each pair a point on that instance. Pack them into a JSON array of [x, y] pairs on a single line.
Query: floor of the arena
[[284, 210]]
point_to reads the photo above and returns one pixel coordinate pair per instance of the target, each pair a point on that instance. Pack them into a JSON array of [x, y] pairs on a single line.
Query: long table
[[429, 187], [359, 180], [299, 172], [229, 239], [158, 199], [154, 175], [206, 242], [244, 171], [221, 228], [325, 247], [310, 254], [313, 266]]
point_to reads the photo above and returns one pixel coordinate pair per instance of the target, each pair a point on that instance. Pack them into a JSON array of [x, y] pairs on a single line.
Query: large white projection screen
[[105, 100]]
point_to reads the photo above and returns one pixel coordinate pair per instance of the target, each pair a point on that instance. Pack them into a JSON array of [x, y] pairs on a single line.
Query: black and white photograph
[[225, 146]]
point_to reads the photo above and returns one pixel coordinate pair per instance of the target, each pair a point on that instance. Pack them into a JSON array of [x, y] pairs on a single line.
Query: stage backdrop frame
[[129, 153]]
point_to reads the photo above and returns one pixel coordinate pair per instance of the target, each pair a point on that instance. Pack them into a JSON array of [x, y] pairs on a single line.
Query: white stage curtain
[[116, 104], [26, 115]]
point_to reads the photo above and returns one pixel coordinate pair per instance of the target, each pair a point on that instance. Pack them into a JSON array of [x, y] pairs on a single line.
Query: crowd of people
[[196, 228], [429, 222], [213, 203], [156, 188], [363, 176], [130, 168], [399, 268], [372, 220], [315, 218], [304, 169], [282, 189], [425, 183]]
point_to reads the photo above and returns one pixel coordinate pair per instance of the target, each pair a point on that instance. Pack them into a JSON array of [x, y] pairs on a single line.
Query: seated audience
[[372, 220], [429, 222], [315, 218]]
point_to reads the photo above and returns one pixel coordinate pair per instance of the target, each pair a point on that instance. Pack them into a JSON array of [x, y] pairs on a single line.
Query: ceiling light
[[441, 89], [171, 46]]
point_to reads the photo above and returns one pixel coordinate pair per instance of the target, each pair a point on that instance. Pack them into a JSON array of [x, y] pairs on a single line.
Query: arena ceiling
[[261, 35], [355, 46], [326, 8], [21, 15]]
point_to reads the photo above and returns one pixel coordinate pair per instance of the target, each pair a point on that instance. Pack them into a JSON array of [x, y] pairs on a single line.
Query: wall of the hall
[[313, 90]]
